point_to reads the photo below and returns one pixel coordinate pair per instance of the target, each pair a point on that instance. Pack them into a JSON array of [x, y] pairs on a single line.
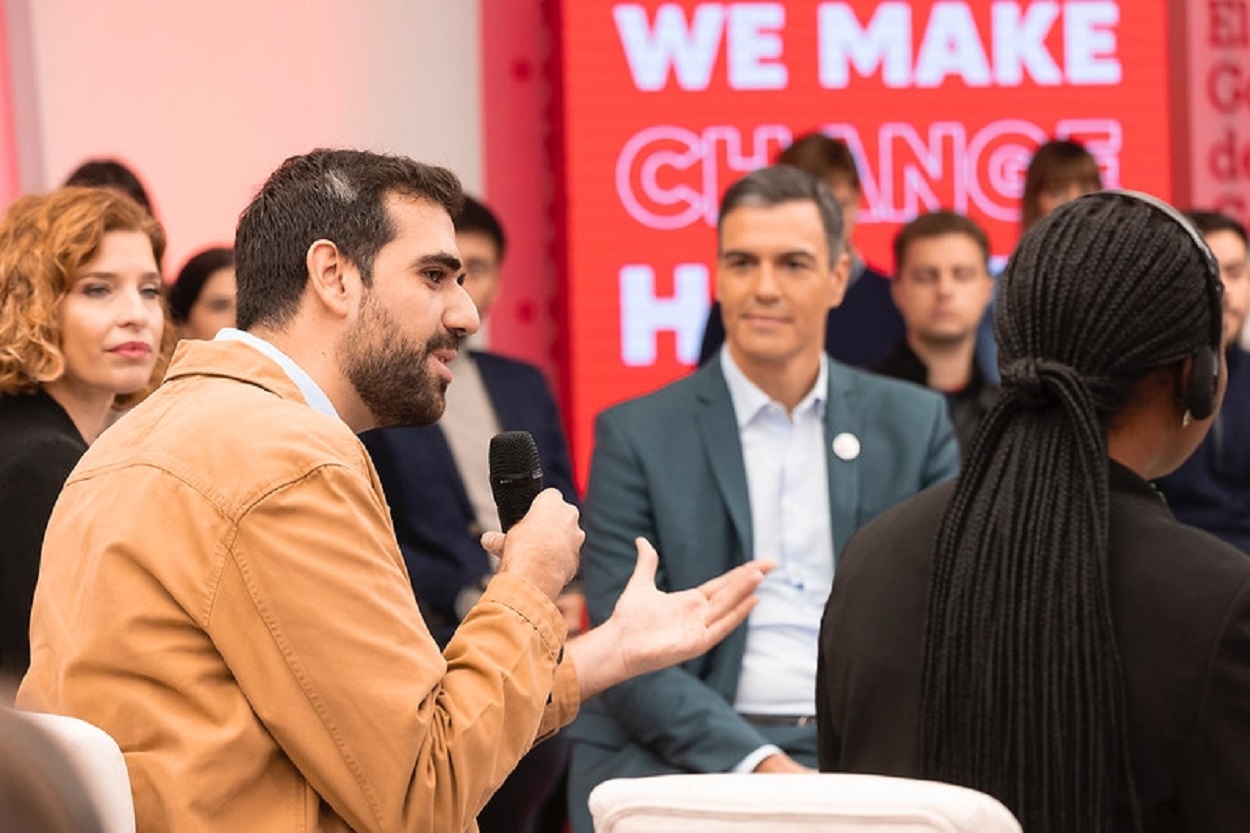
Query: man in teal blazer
[[770, 423]]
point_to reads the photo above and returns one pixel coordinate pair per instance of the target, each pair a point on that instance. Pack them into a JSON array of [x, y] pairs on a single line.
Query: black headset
[[1205, 373]]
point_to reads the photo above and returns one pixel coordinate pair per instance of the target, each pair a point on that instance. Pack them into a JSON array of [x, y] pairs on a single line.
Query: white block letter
[[643, 315], [1089, 43], [650, 52], [885, 43], [754, 44], [951, 46], [1020, 43]]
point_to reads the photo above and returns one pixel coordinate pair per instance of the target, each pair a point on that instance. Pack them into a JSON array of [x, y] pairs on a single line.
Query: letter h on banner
[[644, 316]]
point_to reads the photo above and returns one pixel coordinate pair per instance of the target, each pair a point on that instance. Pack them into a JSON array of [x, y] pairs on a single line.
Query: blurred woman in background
[[82, 334], [201, 301], [1060, 171]]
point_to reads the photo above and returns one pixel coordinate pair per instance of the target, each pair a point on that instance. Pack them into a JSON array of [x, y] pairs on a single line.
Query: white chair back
[[798, 803], [98, 762]]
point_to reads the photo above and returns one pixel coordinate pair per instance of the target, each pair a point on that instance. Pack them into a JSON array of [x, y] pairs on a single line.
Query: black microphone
[[516, 475]]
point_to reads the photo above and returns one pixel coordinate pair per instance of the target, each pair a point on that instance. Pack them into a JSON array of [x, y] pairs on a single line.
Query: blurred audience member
[[436, 480], [81, 328], [1060, 171], [942, 286], [110, 173], [201, 300], [1212, 489], [865, 326]]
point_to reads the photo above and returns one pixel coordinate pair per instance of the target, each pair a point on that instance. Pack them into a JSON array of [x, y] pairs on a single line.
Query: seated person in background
[[110, 173], [82, 333], [771, 450], [1060, 171], [201, 299], [1043, 629], [861, 330], [1212, 489], [436, 479], [942, 286]]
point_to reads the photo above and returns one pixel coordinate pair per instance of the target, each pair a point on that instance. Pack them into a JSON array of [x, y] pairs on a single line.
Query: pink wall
[[204, 100]]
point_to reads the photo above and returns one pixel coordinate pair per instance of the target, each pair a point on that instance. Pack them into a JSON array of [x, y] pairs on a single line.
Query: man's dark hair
[[937, 224], [187, 287], [109, 173], [823, 157], [1022, 692], [335, 195], [1209, 222], [476, 218], [781, 184]]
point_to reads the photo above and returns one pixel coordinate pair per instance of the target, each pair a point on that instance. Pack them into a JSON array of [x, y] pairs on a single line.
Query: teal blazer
[[668, 466]]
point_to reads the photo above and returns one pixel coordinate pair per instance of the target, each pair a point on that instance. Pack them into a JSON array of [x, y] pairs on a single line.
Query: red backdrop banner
[[660, 106]]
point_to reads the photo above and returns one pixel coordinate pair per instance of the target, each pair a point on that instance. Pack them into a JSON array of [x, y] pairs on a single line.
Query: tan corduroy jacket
[[221, 591]]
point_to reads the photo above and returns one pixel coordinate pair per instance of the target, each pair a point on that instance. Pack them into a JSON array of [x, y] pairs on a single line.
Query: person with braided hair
[[1043, 629]]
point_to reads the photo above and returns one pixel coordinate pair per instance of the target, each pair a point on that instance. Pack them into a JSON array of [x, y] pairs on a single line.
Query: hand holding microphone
[[543, 541], [648, 629]]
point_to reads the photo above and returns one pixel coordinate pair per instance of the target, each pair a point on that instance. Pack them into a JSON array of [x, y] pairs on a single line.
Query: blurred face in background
[[111, 320], [942, 288], [1053, 196], [213, 310], [1230, 253], [481, 261]]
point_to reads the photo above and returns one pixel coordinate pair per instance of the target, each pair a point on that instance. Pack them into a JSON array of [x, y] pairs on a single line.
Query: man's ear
[[840, 276], [332, 279]]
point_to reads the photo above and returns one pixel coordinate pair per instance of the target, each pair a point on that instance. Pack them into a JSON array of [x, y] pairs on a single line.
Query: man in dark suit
[[770, 451], [436, 480], [862, 329]]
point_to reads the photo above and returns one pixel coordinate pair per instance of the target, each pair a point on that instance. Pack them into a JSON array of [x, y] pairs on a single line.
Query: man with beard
[[942, 287], [221, 590]]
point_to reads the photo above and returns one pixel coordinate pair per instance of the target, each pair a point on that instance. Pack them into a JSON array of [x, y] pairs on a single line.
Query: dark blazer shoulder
[[706, 383]]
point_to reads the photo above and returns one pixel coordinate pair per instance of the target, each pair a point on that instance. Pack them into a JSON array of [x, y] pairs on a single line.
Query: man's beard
[[391, 374]]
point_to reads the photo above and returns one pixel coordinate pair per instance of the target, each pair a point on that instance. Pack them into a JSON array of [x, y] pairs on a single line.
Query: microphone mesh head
[[512, 454], [516, 475]]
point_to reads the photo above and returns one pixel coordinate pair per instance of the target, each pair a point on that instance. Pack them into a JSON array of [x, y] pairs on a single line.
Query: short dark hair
[[476, 218], [187, 287], [1209, 222], [780, 184], [936, 224], [1055, 163], [823, 157], [110, 173], [335, 195]]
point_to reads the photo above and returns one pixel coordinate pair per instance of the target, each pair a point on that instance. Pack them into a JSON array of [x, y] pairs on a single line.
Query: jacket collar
[[231, 360]]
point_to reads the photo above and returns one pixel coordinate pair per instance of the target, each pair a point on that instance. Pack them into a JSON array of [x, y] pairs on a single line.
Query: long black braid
[[1023, 695]]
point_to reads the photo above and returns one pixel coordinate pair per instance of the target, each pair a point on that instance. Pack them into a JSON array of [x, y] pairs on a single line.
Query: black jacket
[[1181, 610], [966, 407], [39, 446]]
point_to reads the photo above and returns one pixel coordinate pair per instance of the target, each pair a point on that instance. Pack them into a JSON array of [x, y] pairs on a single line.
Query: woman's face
[[111, 318], [214, 309]]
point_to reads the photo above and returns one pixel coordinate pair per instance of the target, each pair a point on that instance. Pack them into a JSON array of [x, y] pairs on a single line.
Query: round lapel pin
[[846, 446]]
